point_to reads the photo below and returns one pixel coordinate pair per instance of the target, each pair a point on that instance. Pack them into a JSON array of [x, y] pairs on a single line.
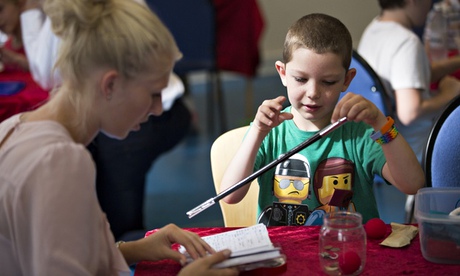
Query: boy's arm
[[268, 116], [402, 168], [242, 164]]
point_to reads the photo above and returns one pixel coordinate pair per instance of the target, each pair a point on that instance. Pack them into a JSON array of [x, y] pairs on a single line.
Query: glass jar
[[342, 244]]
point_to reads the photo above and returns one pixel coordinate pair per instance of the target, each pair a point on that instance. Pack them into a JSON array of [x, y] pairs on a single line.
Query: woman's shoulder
[[42, 144]]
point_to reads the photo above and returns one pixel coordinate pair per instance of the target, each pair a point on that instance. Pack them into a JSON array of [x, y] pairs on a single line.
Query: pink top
[[51, 221]]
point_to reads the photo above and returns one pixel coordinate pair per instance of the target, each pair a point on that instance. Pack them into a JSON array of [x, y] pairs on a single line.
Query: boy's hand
[[357, 108], [269, 114]]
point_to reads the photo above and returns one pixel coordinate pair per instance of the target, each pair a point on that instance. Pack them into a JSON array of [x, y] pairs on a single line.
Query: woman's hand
[[203, 266], [157, 246]]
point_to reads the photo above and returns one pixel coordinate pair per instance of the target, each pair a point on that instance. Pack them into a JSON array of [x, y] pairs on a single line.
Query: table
[[29, 97], [300, 245]]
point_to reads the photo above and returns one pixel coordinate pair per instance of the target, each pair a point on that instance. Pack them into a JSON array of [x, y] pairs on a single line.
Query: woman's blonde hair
[[114, 34], [118, 34]]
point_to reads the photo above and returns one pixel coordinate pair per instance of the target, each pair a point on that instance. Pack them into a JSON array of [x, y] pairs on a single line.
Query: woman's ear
[[108, 83], [281, 69], [351, 73]]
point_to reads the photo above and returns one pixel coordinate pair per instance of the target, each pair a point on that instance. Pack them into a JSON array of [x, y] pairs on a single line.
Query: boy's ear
[[108, 82], [281, 69], [351, 73]]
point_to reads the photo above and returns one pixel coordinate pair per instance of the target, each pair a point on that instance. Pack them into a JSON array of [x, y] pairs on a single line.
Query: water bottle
[[437, 27]]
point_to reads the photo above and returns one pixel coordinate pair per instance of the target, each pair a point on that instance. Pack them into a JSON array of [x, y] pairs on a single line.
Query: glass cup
[[342, 244]]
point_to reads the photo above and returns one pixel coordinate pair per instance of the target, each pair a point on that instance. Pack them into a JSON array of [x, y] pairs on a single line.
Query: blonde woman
[[115, 58]]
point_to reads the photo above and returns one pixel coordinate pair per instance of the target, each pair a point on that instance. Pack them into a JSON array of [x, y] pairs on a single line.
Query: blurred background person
[[18, 91], [12, 54], [404, 67], [441, 37]]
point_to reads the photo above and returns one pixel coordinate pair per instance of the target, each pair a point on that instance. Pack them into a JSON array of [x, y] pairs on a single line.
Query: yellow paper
[[400, 236]]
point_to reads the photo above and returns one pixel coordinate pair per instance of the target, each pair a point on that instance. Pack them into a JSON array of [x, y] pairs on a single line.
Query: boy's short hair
[[391, 4], [320, 33]]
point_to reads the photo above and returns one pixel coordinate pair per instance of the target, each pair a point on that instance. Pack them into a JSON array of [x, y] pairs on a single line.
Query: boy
[[317, 55]]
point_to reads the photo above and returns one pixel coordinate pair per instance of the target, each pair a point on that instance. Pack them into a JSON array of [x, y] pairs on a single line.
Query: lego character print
[[333, 183], [291, 186]]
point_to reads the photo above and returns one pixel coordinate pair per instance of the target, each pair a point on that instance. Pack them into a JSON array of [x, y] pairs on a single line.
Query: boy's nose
[[312, 91]]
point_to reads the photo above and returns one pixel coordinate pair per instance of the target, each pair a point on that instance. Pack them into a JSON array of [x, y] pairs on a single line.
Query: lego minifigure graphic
[[290, 185], [334, 174], [332, 185], [292, 181]]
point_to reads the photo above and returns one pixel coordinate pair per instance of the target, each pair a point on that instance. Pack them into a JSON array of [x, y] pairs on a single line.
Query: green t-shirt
[[347, 159]]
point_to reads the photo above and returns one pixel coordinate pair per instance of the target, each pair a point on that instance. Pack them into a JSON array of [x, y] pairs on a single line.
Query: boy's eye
[[329, 82], [300, 79]]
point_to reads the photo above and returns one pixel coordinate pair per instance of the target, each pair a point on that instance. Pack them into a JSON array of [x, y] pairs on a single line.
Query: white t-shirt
[[41, 46], [399, 58], [51, 221]]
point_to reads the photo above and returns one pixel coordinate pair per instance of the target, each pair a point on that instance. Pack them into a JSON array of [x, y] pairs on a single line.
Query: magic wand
[[208, 203]]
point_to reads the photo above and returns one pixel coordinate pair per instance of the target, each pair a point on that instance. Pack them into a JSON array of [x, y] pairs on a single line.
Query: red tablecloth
[[28, 98], [300, 245]]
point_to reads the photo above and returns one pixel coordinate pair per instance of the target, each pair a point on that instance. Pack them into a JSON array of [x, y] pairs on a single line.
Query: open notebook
[[251, 248]]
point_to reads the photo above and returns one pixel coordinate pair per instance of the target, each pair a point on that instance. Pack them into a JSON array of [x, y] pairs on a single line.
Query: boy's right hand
[[269, 114]]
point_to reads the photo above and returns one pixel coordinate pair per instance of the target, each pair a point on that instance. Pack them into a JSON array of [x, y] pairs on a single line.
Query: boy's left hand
[[357, 108]]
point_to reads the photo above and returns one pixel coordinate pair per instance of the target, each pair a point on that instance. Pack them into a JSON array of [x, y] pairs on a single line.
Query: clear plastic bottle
[[437, 32], [342, 244]]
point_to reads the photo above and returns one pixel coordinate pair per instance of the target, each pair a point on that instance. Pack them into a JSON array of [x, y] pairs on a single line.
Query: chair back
[[243, 213], [368, 84], [193, 26], [441, 158]]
